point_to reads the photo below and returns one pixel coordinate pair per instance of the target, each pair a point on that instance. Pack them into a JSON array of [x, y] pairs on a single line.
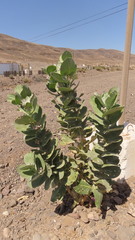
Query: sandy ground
[[28, 214]]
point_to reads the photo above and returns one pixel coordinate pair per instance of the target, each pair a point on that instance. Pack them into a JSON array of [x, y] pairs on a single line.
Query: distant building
[[9, 67]]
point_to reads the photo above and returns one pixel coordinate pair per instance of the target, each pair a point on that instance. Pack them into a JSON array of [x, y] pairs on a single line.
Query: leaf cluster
[[44, 163]]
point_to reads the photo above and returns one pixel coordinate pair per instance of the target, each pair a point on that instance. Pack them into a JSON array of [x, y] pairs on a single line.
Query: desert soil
[[28, 214]]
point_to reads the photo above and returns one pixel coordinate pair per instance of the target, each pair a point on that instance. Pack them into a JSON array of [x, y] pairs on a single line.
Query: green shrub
[[84, 173]]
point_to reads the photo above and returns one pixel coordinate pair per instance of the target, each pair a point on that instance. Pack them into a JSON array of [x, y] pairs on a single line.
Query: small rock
[[22, 179], [6, 191], [84, 217], [29, 190], [2, 165], [123, 233], [8, 222], [78, 209], [67, 221], [93, 216], [95, 231], [91, 224], [22, 199], [45, 236], [9, 149], [20, 190], [92, 235], [71, 228], [111, 234], [74, 215], [77, 225], [36, 236], [12, 203], [79, 231], [6, 232], [53, 237], [5, 213], [57, 226]]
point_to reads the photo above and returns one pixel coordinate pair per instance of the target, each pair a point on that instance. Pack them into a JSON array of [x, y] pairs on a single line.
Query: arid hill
[[12, 49]]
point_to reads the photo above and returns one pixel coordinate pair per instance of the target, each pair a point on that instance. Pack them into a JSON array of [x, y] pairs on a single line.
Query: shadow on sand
[[118, 196]]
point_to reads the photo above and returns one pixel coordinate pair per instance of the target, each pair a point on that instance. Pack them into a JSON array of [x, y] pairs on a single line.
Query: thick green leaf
[[99, 98], [72, 177], [96, 106], [66, 55], [38, 179], [105, 184], [61, 164], [48, 183], [32, 141], [11, 98], [82, 112], [65, 140], [21, 127], [59, 78], [83, 188], [112, 171], [45, 138], [49, 170], [111, 100], [14, 99], [25, 119], [113, 110], [18, 89], [51, 87], [61, 174], [114, 129], [111, 160], [68, 67], [39, 159], [114, 147], [58, 193], [25, 92], [26, 171], [51, 69], [50, 148], [29, 158], [37, 113], [96, 118], [98, 196], [104, 97], [113, 118], [65, 89]]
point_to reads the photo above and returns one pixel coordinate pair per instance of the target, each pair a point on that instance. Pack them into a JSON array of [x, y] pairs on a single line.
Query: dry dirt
[[27, 214]]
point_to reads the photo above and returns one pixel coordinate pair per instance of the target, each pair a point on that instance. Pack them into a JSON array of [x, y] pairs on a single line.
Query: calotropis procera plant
[[45, 163], [83, 173]]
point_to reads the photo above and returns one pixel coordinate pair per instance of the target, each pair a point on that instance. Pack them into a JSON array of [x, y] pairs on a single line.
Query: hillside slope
[[12, 49]]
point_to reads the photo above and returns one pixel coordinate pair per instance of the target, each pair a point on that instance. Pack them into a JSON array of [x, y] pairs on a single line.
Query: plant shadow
[[118, 196]]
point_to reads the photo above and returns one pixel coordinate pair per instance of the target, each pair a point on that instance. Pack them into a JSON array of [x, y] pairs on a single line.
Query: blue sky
[[36, 20]]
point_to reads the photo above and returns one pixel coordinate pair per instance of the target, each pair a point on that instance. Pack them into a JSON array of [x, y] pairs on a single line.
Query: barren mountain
[[20, 51]]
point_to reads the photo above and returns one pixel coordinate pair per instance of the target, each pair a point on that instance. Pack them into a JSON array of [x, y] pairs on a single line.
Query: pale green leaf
[[72, 177], [83, 188], [65, 140], [29, 158], [98, 196]]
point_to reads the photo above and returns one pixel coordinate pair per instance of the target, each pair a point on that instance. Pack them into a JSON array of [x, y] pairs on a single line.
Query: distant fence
[[15, 73]]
